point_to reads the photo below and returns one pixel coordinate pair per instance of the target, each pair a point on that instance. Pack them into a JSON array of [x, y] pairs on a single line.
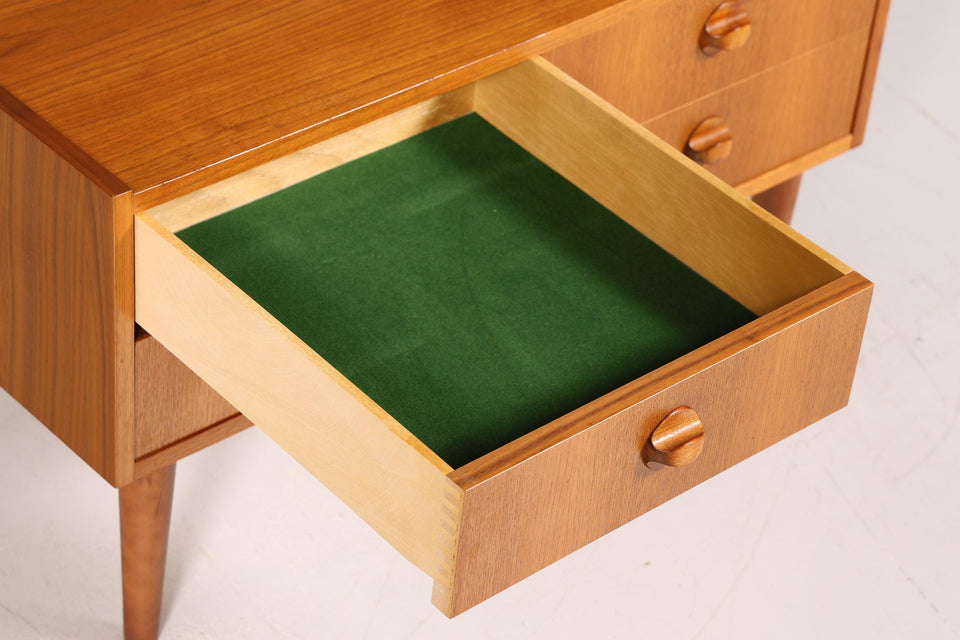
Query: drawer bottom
[[465, 287]]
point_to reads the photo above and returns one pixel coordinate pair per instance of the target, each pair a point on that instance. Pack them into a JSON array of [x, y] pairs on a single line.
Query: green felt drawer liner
[[464, 286]]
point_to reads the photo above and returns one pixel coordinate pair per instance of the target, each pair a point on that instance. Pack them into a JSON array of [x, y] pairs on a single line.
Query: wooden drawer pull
[[711, 142], [728, 27], [676, 441]]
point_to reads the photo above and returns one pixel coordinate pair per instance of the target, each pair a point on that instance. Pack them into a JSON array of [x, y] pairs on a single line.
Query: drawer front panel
[[651, 62], [779, 115], [172, 402], [750, 389]]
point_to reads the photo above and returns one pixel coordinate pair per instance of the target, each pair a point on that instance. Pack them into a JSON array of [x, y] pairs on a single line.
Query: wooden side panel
[[650, 63], [66, 292], [696, 217], [779, 115], [172, 402], [870, 70], [570, 482], [350, 444]]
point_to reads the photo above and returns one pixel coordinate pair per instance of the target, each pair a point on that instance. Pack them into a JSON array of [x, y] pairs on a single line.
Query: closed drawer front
[[658, 46], [171, 401], [479, 522], [778, 115]]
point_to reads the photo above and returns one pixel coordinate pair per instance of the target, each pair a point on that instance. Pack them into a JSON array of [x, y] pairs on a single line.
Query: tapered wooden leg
[[781, 199], [144, 530]]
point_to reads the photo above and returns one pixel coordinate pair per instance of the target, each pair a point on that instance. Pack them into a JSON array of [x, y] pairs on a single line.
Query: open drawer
[[781, 354]]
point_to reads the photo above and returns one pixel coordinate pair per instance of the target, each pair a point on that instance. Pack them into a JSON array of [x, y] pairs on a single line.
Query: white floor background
[[850, 529]]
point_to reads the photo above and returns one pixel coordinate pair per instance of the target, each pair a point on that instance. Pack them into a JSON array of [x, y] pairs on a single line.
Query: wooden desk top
[[167, 97]]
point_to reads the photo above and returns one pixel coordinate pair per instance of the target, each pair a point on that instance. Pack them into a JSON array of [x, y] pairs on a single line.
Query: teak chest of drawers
[[119, 129]]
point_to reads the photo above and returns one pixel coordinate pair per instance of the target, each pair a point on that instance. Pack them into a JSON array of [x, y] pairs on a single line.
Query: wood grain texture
[[870, 70], [534, 500], [145, 506], [192, 443], [279, 174], [649, 62], [201, 91], [781, 199], [349, 443], [710, 142], [726, 29], [447, 543], [172, 402], [699, 219], [795, 167], [780, 114], [676, 441], [66, 291]]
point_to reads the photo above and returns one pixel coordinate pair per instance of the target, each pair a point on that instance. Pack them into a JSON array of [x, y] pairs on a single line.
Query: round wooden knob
[[711, 142], [676, 441], [728, 27]]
